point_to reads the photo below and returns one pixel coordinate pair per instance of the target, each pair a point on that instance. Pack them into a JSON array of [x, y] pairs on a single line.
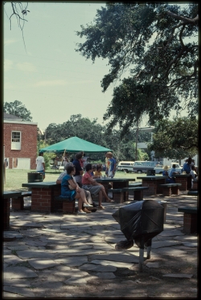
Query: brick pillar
[[18, 203], [167, 191], [6, 215], [118, 197], [183, 181], [68, 207], [160, 188], [138, 195], [152, 187], [41, 199], [56, 205], [190, 223], [175, 190]]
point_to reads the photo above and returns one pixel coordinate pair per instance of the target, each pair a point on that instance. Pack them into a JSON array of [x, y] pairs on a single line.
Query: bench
[[195, 183], [170, 188], [18, 202], [137, 191], [119, 195], [193, 192], [190, 219], [68, 206], [135, 184], [7, 195]]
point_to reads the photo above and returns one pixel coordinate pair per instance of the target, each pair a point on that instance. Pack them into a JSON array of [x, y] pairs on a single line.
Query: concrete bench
[[195, 184], [170, 188], [18, 202], [136, 191], [68, 206], [193, 192], [118, 195], [135, 184], [190, 219], [7, 195]]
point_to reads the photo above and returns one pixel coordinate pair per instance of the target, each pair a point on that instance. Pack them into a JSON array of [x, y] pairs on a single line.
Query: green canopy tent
[[75, 144]]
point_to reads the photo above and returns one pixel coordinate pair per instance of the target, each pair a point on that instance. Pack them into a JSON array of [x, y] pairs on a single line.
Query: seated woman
[[70, 189], [172, 173], [87, 193], [90, 184]]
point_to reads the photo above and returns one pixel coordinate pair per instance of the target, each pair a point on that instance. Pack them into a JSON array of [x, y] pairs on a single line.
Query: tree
[[123, 148], [18, 109], [19, 10], [158, 45], [175, 139]]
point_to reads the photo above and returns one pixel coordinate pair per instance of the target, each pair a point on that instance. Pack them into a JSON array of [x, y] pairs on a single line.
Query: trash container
[[140, 221], [35, 177], [150, 172]]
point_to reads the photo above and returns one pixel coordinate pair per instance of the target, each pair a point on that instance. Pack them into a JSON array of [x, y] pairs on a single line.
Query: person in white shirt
[[40, 164]]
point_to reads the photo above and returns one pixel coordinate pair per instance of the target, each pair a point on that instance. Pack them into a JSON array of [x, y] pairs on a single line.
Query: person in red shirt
[[95, 188]]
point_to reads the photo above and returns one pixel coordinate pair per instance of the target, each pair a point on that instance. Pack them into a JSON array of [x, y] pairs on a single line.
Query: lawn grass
[[14, 178]]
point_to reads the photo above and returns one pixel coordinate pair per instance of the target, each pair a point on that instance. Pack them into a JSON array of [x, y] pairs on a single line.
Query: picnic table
[[153, 182], [117, 183], [185, 180], [43, 194]]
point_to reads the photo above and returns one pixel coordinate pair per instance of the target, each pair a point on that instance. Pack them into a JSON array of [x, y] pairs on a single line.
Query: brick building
[[20, 143]]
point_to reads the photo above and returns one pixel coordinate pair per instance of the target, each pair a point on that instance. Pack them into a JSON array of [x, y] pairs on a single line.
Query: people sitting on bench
[[87, 193], [90, 184], [72, 190], [166, 172], [194, 175]]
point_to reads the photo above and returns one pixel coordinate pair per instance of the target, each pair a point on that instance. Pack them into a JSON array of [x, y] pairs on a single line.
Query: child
[[97, 173]]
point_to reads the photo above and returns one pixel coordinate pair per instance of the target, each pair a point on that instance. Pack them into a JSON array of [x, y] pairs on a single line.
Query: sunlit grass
[[14, 178]]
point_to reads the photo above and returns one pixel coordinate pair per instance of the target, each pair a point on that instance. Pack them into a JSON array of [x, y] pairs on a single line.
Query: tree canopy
[[158, 45], [123, 148], [175, 139], [17, 108]]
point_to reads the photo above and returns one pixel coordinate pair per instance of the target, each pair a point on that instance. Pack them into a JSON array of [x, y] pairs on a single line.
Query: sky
[[43, 70], [46, 74]]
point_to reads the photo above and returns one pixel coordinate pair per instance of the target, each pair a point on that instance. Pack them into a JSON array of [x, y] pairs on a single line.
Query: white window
[[16, 140]]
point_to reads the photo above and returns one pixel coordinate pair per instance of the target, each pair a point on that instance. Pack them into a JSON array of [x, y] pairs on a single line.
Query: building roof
[[11, 117]]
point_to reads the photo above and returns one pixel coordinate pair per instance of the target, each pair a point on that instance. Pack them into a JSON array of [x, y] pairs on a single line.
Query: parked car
[[126, 166], [159, 169], [143, 166]]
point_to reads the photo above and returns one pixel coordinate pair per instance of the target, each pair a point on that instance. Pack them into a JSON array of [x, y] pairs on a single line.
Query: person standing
[[111, 165], [187, 165], [40, 164]]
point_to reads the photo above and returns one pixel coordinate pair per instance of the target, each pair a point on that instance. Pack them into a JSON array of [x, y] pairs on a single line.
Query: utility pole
[[136, 141]]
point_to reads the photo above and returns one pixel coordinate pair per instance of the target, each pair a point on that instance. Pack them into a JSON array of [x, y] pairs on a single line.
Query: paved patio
[[56, 255]]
